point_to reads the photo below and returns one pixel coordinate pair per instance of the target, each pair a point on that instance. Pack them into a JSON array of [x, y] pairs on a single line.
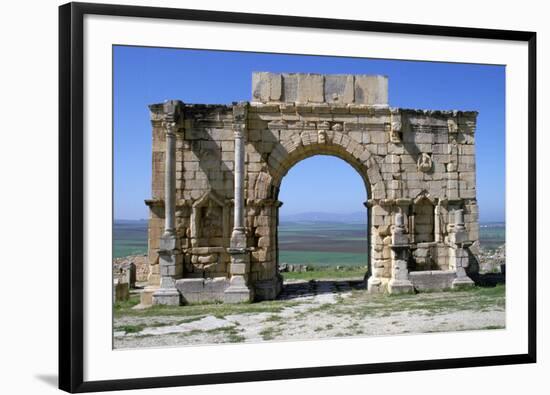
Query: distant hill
[[130, 221], [358, 217]]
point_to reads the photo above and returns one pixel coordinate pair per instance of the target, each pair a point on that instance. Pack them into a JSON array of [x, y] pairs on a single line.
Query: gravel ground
[[313, 310]]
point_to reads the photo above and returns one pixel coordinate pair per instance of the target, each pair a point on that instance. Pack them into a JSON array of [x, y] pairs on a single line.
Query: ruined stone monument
[[217, 171]]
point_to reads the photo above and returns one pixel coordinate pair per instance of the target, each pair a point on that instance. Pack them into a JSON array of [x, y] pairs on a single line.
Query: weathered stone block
[[310, 88], [371, 90], [121, 291], [339, 89], [430, 280], [266, 87]]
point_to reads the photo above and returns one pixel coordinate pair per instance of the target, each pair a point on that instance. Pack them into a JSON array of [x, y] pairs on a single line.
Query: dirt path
[[313, 310]]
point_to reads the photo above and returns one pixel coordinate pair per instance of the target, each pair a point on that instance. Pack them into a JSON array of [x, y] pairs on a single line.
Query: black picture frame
[[71, 197]]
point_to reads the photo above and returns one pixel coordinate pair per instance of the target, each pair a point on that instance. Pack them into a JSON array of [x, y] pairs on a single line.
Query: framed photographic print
[[238, 188]]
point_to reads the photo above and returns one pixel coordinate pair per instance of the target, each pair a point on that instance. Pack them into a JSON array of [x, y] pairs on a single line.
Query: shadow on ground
[[488, 279], [292, 290], [300, 289]]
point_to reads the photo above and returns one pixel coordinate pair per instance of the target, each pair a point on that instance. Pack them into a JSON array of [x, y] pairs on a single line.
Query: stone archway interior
[[315, 190]]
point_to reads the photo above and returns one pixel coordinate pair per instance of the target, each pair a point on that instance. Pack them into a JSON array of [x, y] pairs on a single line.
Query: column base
[[374, 285], [462, 282], [400, 286], [238, 291], [166, 296], [146, 296], [236, 294]]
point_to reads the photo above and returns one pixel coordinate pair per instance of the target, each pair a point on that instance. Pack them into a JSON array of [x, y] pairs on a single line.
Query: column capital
[[170, 127], [239, 131], [240, 117], [172, 112], [240, 111]]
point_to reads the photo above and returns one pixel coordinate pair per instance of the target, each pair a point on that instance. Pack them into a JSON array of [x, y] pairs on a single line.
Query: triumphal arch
[[217, 171]]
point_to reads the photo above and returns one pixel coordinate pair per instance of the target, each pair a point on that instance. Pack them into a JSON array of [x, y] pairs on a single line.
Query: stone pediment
[[424, 195], [209, 196]]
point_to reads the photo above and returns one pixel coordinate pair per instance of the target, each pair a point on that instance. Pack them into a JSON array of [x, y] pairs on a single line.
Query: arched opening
[[323, 223]]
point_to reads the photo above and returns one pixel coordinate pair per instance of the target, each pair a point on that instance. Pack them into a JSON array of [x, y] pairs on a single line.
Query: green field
[[318, 258], [323, 244], [129, 238], [492, 235], [309, 243]]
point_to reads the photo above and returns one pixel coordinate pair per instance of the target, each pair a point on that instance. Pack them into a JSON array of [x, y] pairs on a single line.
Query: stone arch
[[295, 147], [305, 144]]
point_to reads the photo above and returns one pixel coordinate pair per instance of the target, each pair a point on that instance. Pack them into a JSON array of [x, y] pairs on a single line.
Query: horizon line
[[146, 219]]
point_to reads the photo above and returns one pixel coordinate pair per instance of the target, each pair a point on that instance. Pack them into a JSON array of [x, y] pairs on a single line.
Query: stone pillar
[[437, 222], [170, 257], [458, 234], [170, 180], [399, 282], [372, 279], [239, 268], [458, 255]]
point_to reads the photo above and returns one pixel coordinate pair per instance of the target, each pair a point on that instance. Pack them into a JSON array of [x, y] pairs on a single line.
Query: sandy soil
[[319, 310]]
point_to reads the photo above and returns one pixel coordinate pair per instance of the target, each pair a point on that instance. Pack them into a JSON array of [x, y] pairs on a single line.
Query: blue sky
[[150, 75]]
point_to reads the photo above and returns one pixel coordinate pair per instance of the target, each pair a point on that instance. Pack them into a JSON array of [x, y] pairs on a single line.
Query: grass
[[361, 304], [270, 333], [319, 258], [131, 328], [127, 304], [217, 310], [135, 328], [475, 298], [231, 333], [188, 320], [494, 327], [355, 306], [220, 310]]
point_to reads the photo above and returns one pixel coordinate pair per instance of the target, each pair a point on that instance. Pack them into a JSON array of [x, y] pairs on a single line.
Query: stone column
[[452, 167], [437, 222], [458, 234], [238, 236], [372, 279], [458, 255], [239, 268], [170, 257], [399, 282], [170, 180]]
